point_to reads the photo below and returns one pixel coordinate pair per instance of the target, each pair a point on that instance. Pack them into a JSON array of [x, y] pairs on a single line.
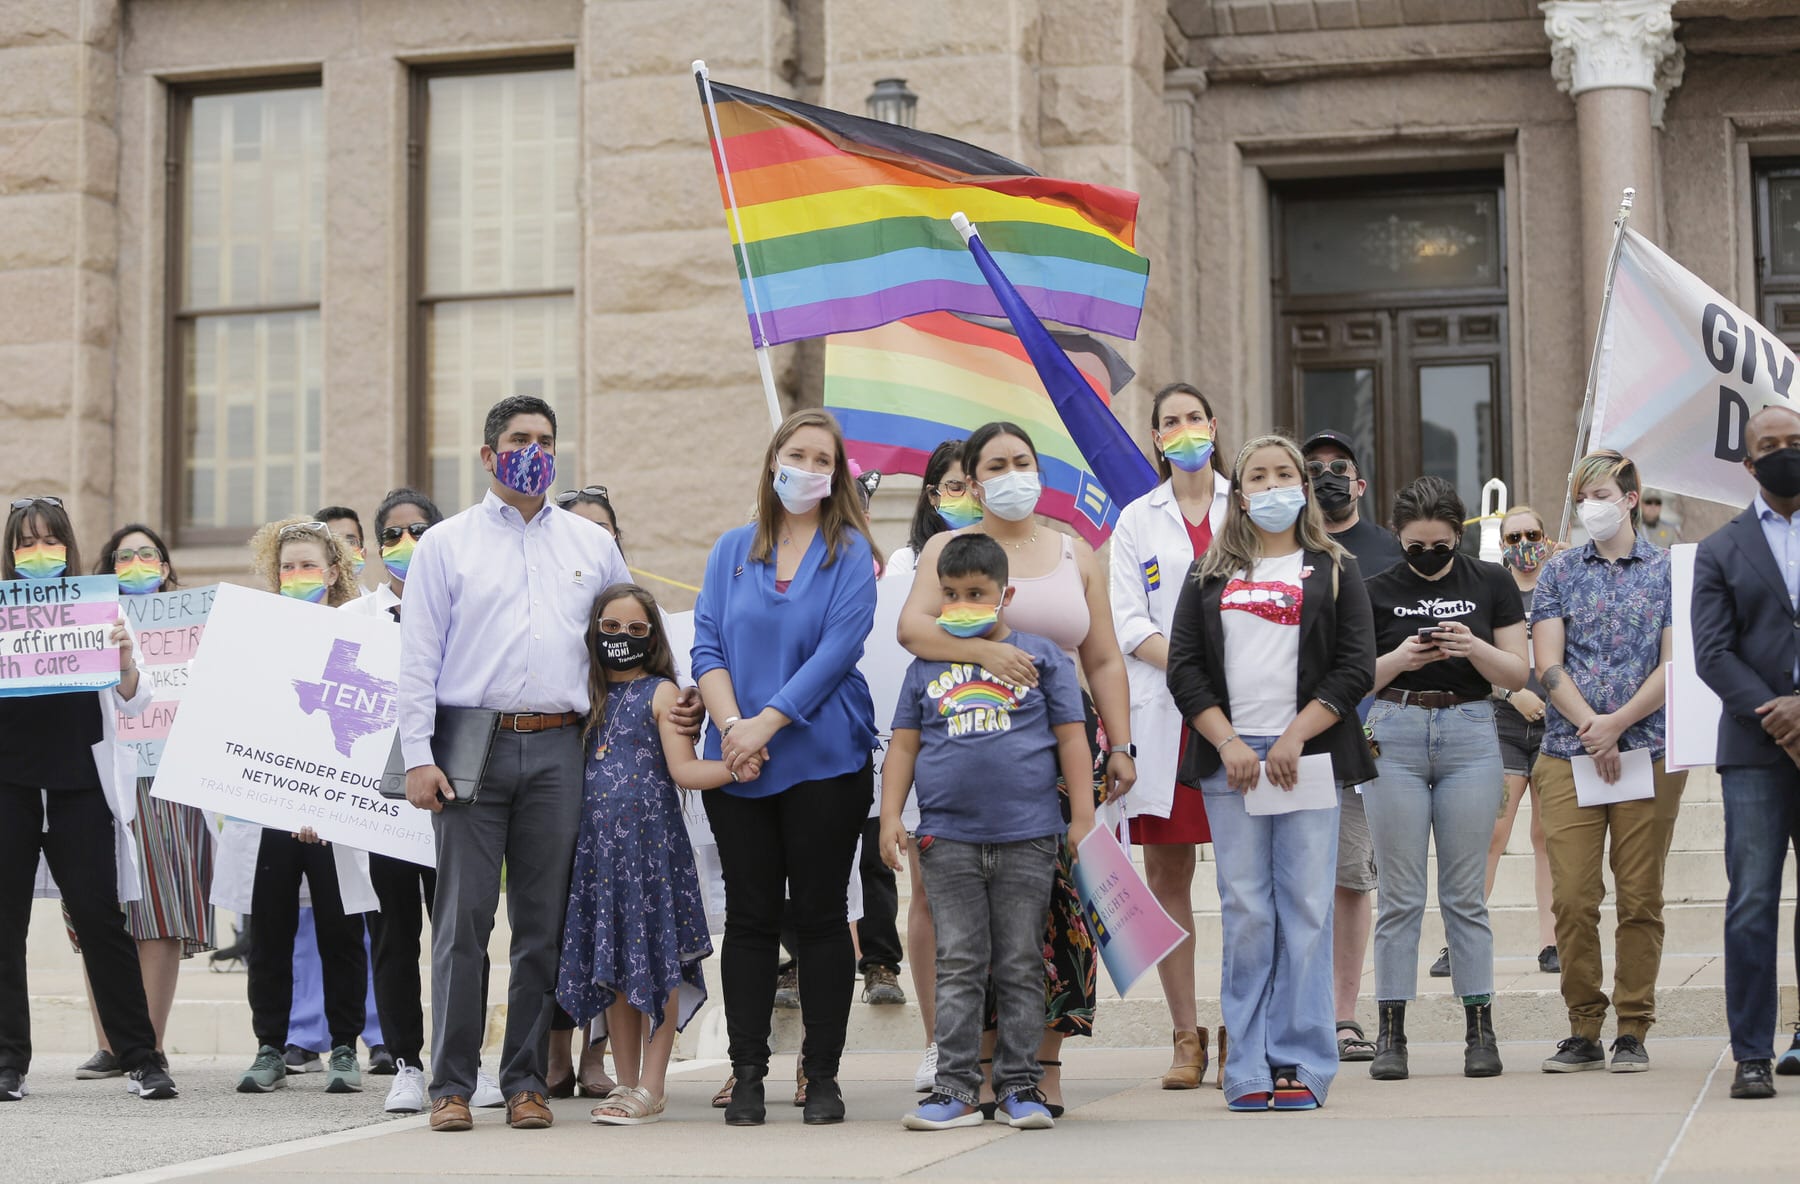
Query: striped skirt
[[175, 870]]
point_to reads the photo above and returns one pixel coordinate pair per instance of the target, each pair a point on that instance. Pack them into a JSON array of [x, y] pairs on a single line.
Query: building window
[[496, 250], [1778, 247], [247, 231]]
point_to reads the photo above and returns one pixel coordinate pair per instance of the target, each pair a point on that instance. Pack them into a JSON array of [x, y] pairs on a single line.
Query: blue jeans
[[989, 904], [1277, 875], [1762, 820], [1438, 779]]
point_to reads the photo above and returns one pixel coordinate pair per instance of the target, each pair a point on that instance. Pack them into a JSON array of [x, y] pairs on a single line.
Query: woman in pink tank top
[[1059, 593]]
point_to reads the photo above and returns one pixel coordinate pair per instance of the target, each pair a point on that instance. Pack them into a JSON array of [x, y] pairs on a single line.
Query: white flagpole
[[756, 325], [1586, 423]]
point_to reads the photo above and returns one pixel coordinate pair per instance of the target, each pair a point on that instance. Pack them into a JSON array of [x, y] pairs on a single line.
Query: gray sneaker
[[1576, 1054], [881, 986], [266, 1074], [1628, 1055], [342, 1074], [302, 1060], [102, 1064]]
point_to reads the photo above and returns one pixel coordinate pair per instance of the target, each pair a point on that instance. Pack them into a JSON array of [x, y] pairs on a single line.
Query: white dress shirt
[[497, 611]]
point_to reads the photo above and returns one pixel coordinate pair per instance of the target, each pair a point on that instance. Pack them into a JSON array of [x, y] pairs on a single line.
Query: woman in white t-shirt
[[1270, 650]]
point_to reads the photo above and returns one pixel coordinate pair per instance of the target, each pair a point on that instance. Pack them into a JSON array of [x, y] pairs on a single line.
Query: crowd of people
[[1249, 633]]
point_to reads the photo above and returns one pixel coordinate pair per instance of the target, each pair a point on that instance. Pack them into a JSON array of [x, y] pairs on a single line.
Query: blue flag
[[1104, 443]]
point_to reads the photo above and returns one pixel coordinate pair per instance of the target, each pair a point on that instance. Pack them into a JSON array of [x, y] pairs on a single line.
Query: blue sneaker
[[1789, 1064], [1026, 1111], [941, 1112]]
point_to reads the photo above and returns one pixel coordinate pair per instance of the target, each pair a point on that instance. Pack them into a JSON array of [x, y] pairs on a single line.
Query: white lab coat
[[1151, 554], [116, 765]]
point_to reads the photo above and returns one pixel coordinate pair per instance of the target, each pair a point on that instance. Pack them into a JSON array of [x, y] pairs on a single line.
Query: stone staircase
[[211, 1014]]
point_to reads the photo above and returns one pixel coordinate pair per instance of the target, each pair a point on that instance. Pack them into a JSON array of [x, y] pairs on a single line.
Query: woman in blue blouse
[[786, 603]]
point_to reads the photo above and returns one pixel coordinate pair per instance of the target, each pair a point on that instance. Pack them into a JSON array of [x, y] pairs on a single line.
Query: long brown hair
[[839, 514], [1238, 545], [659, 662], [49, 518]]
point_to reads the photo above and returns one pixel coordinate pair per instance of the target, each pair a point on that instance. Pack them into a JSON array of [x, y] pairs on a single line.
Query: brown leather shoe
[[450, 1113], [526, 1111]]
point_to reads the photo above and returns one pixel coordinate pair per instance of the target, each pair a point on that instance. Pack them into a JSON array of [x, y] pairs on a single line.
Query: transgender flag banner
[[1681, 371]]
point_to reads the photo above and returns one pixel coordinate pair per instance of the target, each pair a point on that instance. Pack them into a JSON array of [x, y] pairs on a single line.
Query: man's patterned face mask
[[528, 470]]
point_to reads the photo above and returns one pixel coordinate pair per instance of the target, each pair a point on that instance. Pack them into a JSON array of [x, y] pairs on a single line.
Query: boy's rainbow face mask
[[41, 561], [139, 576], [969, 620], [305, 583], [1188, 447]]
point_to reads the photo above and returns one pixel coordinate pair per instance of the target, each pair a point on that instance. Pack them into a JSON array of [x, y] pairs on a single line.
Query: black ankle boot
[[824, 1102], [1390, 1042], [746, 1106], [1481, 1057]]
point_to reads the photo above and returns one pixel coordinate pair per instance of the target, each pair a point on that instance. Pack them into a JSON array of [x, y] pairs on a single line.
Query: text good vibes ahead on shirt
[[1479, 595], [987, 765]]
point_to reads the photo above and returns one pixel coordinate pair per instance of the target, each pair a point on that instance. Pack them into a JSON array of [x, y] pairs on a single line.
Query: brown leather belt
[[538, 721], [1420, 698]]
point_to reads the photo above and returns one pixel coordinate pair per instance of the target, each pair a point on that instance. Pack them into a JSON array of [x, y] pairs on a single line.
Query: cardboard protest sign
[[287, 720], [55, 635], [169, 626]]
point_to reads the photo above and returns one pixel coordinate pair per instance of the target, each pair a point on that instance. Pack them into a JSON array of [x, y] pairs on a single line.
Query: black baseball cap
[[1336, 440]]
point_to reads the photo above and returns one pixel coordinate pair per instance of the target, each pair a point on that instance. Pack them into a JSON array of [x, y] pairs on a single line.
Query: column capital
[[1595, 44]]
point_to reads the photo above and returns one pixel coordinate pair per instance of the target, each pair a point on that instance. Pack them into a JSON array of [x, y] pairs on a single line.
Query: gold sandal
[[722, 1099], [636, 1107]]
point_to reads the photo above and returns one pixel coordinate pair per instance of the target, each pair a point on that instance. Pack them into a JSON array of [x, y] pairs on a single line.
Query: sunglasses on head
[[1337, 468], [1515, 537], [302, 530], [633, 629], [25, 503], [391, 534], [599, 491]]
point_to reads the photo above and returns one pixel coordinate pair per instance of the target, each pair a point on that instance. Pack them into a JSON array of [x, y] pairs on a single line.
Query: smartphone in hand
[[1428, 635]]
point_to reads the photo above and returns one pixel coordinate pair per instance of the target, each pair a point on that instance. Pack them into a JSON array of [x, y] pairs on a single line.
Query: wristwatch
[[1130, 750]]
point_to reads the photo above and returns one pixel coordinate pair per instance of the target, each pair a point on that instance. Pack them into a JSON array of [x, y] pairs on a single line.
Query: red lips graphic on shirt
[[1272, 600]]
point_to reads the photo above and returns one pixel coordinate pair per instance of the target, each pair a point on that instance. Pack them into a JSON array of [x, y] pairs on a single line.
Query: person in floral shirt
[[1600, 639]]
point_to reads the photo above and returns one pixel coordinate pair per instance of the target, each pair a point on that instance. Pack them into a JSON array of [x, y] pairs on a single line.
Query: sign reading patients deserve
[[55, 635], [287, 721], [169, 626]]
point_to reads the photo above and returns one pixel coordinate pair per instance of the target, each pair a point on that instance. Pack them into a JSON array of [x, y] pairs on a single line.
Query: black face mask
[[621, 651], [1779, 472], [1430, 561], [1333, 493]]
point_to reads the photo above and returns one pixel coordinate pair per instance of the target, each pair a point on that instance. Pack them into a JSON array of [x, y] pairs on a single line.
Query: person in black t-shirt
[[1448, 629]]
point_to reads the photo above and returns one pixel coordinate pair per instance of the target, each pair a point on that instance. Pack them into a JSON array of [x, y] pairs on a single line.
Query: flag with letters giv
[[1681, 371]]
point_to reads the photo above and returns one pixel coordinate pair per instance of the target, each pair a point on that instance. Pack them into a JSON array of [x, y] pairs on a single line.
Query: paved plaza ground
[[1674, 1125]]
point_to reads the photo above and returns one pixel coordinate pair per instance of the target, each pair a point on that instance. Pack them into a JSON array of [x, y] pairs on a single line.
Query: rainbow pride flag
[[846, 225], [901, 389]]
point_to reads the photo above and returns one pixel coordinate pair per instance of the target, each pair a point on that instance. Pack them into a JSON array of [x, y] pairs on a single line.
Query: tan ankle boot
[[1189, 1066], [1221, 1078]]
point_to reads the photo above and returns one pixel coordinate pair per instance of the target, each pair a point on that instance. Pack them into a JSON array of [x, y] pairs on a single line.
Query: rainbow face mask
[[528, 470], [959, 510], [969, 620], [397, 556], [305, 584], [1189, 447], [41, 561], [139, 577], [359, 559]]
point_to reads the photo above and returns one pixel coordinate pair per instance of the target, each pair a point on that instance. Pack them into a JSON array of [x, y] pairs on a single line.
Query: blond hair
[[839, 514], [1238, 544], [1522, 508], [265, 557]]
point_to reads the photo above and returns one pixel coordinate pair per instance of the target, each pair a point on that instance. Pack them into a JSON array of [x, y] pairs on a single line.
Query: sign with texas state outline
[[287, 721]]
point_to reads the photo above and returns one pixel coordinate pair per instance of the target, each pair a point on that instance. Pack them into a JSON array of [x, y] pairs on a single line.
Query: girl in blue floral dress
[[635, 932]]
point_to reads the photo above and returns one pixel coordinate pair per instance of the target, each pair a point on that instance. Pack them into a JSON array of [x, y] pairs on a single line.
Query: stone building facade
[[261, 255]]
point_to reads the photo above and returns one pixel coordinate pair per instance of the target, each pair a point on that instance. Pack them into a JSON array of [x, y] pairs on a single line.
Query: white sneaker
[[487, 1092], [925, 1076], [407, 1094]]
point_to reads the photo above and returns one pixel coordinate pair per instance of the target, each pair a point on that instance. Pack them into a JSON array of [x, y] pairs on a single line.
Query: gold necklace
[[1019, 546]]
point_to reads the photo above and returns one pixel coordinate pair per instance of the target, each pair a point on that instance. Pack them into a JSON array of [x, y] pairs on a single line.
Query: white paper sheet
[[1637, 780], [1314, 789]]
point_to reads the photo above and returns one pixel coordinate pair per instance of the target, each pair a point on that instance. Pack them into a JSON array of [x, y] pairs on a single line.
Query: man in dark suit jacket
[[1746, 617]]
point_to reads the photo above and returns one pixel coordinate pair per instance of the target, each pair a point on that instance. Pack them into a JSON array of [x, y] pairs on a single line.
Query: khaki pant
[[1575, 838]]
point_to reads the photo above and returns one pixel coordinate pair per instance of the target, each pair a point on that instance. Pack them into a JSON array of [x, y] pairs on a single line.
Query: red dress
[[1186, 822]]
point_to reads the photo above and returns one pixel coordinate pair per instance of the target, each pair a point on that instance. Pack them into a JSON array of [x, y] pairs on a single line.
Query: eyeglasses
[[599, 491], [1515, 537], [391, 534], [147, 554], [1435, 548], [613, 628], [25, 503], [1337, 468], [953, 488], [302, 530]]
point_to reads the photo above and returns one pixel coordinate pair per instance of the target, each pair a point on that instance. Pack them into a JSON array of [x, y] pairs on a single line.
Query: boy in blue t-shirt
[[986, 755]]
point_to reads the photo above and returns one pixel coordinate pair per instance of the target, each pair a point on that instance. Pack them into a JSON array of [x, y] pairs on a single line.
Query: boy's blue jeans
[[989, 904], [1277, 878]]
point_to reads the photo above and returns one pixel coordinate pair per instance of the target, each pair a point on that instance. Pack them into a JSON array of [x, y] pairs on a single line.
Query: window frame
[[419, 302], [180, 103], [1776, 293]]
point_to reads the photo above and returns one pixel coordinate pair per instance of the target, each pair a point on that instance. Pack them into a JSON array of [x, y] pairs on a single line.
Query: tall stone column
[[1181, 94], [1618, 59]]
